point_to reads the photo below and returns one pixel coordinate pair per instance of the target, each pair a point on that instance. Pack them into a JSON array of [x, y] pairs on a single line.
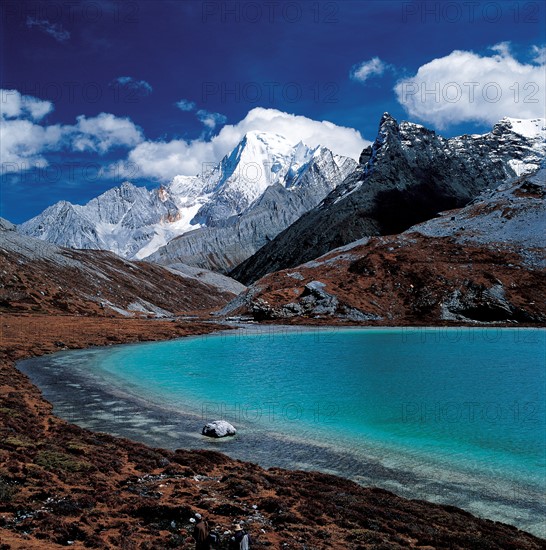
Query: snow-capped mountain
[[134, 221], [295, 186], [406, 176], [122, 220]]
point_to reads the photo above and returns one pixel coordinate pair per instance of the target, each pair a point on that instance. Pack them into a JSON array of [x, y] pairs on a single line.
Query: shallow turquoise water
[[458, 410]]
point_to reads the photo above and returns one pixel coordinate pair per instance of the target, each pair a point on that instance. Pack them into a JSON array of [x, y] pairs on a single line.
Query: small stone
[[218, 428]]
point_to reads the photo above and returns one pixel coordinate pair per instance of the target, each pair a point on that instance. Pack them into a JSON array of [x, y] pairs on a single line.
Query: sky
[[97, 92]]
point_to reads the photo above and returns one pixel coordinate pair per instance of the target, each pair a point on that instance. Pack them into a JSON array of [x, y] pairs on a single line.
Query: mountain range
[[422, 229], [228, 212]]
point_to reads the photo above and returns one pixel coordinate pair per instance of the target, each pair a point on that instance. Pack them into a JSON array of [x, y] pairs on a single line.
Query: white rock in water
[[218, 428]]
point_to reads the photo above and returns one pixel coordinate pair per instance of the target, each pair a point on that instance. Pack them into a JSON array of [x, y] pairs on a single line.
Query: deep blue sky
[[183, 49]]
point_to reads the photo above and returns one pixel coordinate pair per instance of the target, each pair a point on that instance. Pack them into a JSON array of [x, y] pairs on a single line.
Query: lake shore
[[61, 482]]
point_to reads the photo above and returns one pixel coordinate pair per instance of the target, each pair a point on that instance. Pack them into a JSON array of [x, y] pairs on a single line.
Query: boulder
[[218, 428]]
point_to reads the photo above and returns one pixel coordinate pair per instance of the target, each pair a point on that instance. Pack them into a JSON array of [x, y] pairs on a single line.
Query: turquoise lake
[[455, 416]]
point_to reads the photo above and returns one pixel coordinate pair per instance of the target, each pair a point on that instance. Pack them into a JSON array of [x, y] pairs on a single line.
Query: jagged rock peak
[[387, 119]]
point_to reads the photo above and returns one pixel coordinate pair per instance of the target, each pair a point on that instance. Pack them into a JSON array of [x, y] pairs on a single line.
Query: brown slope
[[420, 280], [43, 278], [60, 483]]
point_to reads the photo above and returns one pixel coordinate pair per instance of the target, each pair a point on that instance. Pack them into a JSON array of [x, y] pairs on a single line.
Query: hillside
[[39, 277], [482, 263]]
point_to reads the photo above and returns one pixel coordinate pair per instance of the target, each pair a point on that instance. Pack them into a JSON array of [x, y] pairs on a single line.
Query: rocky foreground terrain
[[479, 264], [63, 486]]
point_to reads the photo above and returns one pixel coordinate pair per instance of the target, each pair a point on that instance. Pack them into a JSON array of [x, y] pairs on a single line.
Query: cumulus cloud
[[367, 69], [138, 88], [185, 105], [55, 30], [466, 87], [502, 48], [24, 142], [15, 105], [102, 133], [164, 160]]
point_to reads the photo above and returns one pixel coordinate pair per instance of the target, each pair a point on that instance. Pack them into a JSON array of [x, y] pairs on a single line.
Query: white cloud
[[502, 48], [539, 54], [15, 105], [367, 69], [210, 120], [24, 142], [164, 160], [102, 133], [55, 30], [466, 87], [140, 88], [185, 105]]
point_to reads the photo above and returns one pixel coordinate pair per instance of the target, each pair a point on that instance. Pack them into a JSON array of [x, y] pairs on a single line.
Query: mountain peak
[[388, 120], [268, 139], [6, 225]]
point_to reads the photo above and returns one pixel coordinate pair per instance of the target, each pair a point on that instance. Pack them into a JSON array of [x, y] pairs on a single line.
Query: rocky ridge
[[231, 209], [407, 176]]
